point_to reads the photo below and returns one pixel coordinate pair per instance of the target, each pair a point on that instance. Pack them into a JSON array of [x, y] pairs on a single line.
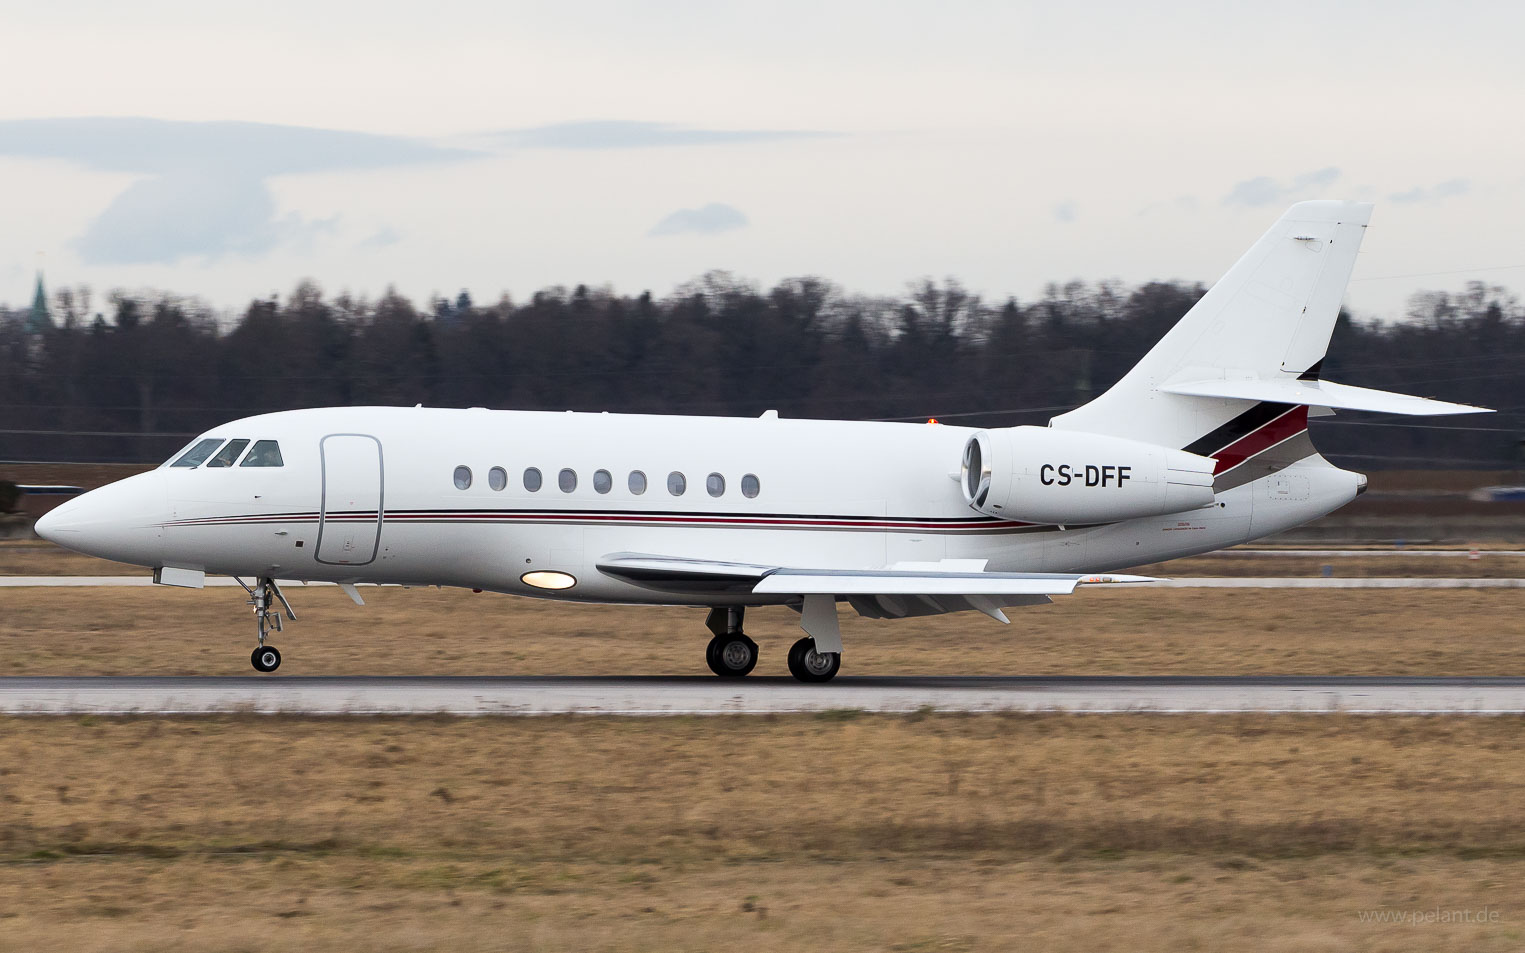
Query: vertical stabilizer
[[1268, 318]]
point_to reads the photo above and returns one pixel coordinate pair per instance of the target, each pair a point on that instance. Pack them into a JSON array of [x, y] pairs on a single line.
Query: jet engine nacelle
[[1041, 475]]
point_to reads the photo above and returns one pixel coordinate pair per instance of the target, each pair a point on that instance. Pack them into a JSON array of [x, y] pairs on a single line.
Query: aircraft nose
[[119, 521], [49, 523]]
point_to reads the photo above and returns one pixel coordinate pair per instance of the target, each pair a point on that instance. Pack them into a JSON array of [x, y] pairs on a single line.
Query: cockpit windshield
[[197, 455], [227, 455], [266, 453]]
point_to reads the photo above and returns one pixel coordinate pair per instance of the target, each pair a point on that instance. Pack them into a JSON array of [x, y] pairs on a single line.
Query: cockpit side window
[[266, 453], [195, 456], [228, 454]]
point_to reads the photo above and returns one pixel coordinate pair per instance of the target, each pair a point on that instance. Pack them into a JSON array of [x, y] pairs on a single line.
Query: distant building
[[39, 319]]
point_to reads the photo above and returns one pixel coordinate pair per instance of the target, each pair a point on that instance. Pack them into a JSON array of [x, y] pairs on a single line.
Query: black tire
[[731, 656], [266, 658], [808, 665]]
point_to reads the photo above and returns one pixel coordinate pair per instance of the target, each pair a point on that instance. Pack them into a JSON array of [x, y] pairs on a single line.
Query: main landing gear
[[731, 654], [263, 596], [808, 665]]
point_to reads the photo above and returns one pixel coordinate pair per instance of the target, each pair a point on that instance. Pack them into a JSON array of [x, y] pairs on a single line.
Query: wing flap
[[852, 582]]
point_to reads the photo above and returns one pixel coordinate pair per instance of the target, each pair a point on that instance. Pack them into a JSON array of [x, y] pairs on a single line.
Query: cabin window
[[750, 487], [714, 485], [676, 483], [265, 453], [637, 482], [497, 478], [463, 478], [532, 480], [602, 481], [197, 454], [228, 454], [567, 480]]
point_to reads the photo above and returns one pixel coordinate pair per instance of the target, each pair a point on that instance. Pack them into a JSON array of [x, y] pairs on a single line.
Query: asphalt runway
[[698, 695]]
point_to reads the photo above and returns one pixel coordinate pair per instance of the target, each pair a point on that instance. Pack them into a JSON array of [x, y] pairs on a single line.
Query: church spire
[[40, 319]]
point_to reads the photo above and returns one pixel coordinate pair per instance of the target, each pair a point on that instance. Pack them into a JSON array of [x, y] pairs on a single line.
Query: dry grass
[[425, 631], [38, 558], [1486, 566], [35, 557], [873, 833]]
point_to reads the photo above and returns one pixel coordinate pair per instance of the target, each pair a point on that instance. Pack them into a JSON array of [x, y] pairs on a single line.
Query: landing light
[[547, 579]]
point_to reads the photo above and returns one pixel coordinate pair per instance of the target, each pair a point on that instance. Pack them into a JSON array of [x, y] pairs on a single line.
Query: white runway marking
[[1328, 582], [1190, 582], [714, 696], [1342, 553]]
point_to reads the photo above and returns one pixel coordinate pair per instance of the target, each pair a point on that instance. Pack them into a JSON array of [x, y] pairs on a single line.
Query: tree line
[[136, 380]]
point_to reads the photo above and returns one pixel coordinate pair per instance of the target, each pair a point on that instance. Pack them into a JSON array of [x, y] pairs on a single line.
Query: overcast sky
[[229, 150]]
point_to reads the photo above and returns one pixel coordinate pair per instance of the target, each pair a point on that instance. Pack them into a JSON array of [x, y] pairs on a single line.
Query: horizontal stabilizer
[[1317, 393]]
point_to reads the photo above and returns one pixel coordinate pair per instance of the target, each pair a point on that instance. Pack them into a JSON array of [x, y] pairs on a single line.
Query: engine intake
[[1042, 475]]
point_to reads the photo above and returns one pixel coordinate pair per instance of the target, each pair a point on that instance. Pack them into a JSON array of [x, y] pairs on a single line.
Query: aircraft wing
[[951, 577], [894, 592]]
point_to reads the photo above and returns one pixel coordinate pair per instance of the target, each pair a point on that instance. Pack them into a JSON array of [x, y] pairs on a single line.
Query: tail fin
[[1268, 319]]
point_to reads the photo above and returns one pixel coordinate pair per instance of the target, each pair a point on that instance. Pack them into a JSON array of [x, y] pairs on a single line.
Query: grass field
[[837, 832], [165, 631], [830, 832], [33, 557]]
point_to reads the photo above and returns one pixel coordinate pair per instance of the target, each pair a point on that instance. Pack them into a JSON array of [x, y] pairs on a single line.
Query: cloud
[[165, 146], [1066, 211], [384, 236], [203, 191], [1264, 190], [1443, 190], [168, 218], [627, 134], [709, 220]]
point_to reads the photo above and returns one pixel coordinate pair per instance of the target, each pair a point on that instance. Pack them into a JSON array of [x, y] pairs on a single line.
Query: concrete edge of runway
[[657, 697], [1187, 582]]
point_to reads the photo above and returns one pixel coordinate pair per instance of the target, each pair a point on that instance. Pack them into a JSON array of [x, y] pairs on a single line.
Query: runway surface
[[757, 695]]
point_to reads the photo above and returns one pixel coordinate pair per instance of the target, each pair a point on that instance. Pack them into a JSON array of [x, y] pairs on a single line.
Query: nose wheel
[[266, 658], [263, 596]]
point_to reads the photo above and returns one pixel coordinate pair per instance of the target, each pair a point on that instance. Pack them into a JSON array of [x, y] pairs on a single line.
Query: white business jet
[[1203, 444]]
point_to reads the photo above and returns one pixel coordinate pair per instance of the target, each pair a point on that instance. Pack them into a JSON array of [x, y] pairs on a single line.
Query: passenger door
[[349, 522]]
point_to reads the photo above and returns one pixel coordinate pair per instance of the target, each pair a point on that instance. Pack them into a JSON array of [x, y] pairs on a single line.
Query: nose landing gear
[[262, 596], [266, 658]]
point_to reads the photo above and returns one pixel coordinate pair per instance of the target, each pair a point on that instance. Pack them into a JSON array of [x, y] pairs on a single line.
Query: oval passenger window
[[532, 480], [676, 483], [714, 485], [750, 487], [463, 478], [602, 481], [567, 480], [637, 482], [497, 478]]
